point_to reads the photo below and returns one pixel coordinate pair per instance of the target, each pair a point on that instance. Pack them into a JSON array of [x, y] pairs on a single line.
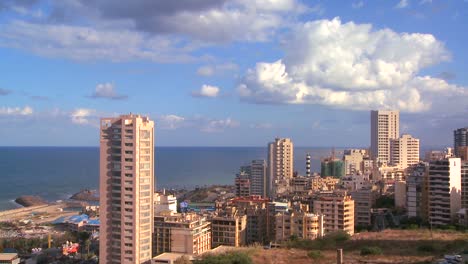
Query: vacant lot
[[397, 246]]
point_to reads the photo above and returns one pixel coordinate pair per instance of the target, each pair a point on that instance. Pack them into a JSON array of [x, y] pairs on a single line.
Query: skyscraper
[[258, 179], [126, 189], [280, 165], [385, 125]]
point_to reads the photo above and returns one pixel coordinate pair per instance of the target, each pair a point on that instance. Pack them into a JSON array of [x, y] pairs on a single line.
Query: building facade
[[416, 204], [242, 184], [353, 160], [280, 165], [385, 125], [444, 186], [181, 233], [333, 167], [299, 224], [460, 139], [126, 189], [404, 151], [338, 212], [229, 230], [164, 202], [364, 200], [258, 178]]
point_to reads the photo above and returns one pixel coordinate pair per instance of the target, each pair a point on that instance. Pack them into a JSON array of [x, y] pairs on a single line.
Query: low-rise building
[[338, 211], [10, 258], [181, 233], [364, 200], [300, 224], [229, 230]]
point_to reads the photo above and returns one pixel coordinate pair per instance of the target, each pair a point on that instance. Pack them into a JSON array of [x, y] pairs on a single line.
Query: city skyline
[[239, 74]]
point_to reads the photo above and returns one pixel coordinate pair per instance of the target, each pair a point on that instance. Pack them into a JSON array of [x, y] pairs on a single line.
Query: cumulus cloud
[[207, 91], [16, 111], [402, 4], [351, 66], [160, 31], [82, 116], [4, 92], [107, 90]]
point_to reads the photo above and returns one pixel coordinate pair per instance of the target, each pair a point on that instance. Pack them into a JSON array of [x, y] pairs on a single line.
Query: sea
[[56, 173]]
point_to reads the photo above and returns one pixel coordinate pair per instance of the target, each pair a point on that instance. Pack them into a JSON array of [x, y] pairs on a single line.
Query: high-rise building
[[280, 165], [444, 191], [464, 184], [332, 167], [126, 189], [404, 151], [364, 200], [415, 191], [258, 178], [385, 125], [460, 139], [242, 184]]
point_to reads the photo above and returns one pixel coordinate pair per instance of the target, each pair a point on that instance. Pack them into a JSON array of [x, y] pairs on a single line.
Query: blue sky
[[232, 73]]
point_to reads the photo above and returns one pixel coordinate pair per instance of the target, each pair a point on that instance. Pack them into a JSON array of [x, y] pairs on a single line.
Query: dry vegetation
[[398, 246]]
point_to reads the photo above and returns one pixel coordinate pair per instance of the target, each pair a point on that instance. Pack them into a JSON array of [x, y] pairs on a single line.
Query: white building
[[404, 151], [164, 203], [385, 125], [353, 159], [444, 191]]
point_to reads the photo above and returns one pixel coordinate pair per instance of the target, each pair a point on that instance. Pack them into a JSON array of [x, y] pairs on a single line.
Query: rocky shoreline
[[86, 195], [30, 200]]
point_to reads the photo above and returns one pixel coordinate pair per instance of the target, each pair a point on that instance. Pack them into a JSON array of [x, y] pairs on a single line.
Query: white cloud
[[205, 71], [107, 90], [16, 111], [207, 91], [351, 66], [82, 116], [261, 126], [219, 125], [170, 121], [209, 70], [358, 4], [402, 4]]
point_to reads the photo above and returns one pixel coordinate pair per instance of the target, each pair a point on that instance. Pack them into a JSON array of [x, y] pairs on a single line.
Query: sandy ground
[[38, 214]]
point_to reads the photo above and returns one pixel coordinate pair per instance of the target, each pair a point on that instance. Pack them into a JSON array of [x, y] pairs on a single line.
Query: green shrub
[[315, 254], [227, 258], [371, 251]]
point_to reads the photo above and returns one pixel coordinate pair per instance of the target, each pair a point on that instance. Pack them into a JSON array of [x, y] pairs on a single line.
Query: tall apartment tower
[[385, 125], [258, 179], [280, 165], [126, 189], [444, 191], [404, 151]]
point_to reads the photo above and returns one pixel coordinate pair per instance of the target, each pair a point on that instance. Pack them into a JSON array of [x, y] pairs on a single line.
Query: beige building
[[444, 186], [300, 224], [464, 184], [400, 194], [353, 160], [229, 230], [385, 125], [164, 202], [364, 199], [338, 211], [462, 153], [404, 151], [126, 189], [280, 165], [11, 258], [181, 233]]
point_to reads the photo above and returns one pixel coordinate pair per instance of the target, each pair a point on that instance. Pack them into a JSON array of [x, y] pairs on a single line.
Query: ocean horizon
[[56, 173]]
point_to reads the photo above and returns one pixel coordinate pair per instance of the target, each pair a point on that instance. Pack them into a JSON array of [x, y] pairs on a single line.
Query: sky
[[232, 73]]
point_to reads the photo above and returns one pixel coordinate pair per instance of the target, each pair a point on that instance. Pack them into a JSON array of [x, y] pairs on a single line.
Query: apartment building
[[164, 202], [444, 186], [181, 233], [299, 224], [126, 189], [460, 139], [353, 160], [242, 184], [385, 126], [404, 151], [338, 212], [280, 165], [364, 200], [416, 191], [229, 230]]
